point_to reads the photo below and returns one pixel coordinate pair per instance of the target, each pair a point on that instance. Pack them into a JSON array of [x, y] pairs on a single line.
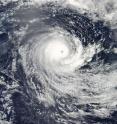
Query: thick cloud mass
[[61, 64]]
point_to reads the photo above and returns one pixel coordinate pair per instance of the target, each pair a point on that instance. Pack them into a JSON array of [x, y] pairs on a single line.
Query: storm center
[[56, 50]]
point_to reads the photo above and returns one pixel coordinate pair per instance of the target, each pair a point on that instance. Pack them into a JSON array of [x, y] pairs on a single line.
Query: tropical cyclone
[[59, 52], [55, 55], [64, 63]]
